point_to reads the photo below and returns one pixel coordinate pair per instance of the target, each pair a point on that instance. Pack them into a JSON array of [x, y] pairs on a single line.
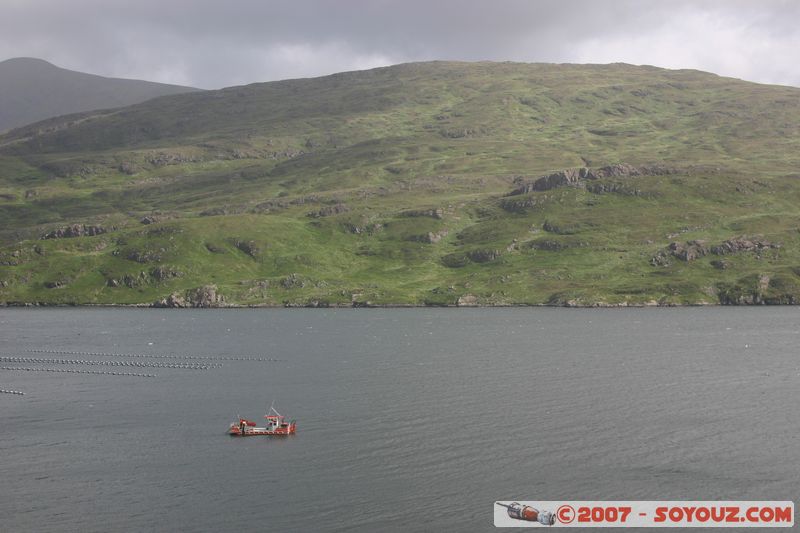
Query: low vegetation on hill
[[420, 184]]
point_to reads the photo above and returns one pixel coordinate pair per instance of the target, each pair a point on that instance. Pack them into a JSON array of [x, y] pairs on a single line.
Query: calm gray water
[[408, 419]]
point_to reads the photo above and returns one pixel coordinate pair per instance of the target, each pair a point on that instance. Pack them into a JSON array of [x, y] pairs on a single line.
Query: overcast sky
[[212, 44]]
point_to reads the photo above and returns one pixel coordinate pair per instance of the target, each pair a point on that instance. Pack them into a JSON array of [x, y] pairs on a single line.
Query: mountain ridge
[[415, 185], [33, 89]]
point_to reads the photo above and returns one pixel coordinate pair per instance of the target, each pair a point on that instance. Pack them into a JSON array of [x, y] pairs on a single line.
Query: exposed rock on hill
[[359, 229], [483, 256], [691, 250], [550, 245], [249, 247], [174, 300], [161, 273], [521, 205], [129, 280], [145, 256], [293, 281], [575, 177], [467, 300], [562, 178], [76, 230], [743, 244], [437, 213], [329, 210], [430, 237], [762, 289], [205, 297]]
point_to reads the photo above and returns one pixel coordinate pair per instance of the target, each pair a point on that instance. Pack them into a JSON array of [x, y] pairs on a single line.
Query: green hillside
[[416, 184]]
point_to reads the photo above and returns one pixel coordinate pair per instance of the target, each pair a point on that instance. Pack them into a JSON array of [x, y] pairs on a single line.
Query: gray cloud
[[213, 44]]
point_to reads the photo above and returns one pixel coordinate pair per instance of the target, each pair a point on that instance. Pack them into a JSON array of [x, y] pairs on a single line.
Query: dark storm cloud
[[214, 43]]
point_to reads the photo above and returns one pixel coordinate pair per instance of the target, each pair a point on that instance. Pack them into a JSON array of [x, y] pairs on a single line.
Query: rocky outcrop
[[483, 256], [743, 244], [562, 178], [550, 245], [205, 296], [576, 177], [202, 297], [145, 256], [221, 211], [467, 300], [695, 249], [616, 188], [437, 213], [461, 259], [460, 133], [293, 281], [214, 249], [623, 170], [329, 210], [162, 273], [362, 229], [561, 229], [430, 237], [128, 167], [157, 274], [762, 289], [521, 205], [163, 159], [720, 264], [689, 251], [249, 247], [129, 280], [76, 230], [455, 260], [13, 258], [174, 300], [661, 258]]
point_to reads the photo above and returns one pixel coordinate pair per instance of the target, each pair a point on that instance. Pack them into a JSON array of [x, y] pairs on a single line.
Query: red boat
[[276, 425]]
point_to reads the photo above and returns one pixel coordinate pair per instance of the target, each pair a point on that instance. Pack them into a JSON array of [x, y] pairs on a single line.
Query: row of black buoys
[[20, 393], [73, 371], [165, 356], [181, 366]]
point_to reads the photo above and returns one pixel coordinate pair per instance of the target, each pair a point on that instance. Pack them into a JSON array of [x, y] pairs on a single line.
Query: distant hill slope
[[33, 89], [438, 183]]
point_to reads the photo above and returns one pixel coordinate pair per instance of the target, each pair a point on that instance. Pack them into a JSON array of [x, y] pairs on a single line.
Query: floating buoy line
[[74, 371], [204, 363], [164, 356], [181, 366]]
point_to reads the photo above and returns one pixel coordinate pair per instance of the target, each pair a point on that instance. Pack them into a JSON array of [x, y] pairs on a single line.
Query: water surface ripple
[[408, 419]]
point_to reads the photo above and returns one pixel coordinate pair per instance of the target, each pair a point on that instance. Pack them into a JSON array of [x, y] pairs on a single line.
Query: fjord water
[[408, 419]]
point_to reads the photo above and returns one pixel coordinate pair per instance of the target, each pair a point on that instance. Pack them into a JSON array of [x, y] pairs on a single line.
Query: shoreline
[[596, 305]]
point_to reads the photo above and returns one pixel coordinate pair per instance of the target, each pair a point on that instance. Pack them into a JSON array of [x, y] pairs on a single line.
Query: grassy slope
[[448, 136]]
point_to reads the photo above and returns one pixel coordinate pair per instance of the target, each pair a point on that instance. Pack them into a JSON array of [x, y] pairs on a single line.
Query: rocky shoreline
[[369, 305], [210, 297]]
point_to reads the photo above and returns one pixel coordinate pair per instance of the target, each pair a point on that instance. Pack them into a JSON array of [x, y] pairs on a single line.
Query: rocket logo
[[527, 513]]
